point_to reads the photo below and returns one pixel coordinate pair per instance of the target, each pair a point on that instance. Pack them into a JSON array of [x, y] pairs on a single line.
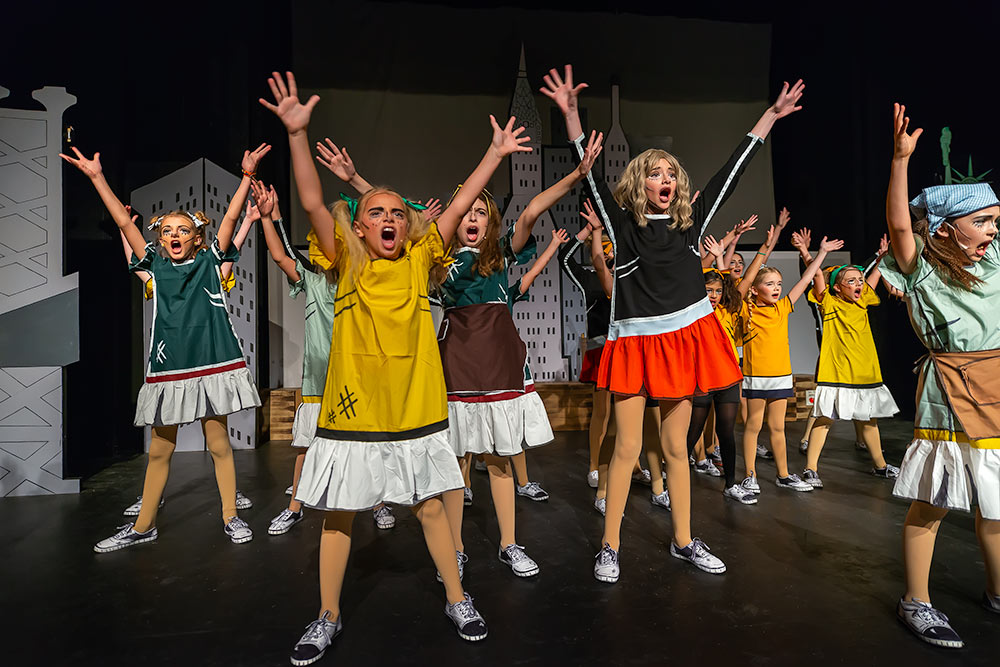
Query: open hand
[[262, 197], [713, 247], [92, 167], [507, 140], [590, 153], [337, 160], [788, 99], [252, 158], [560, 89], [252, 213], [293, 114], [883, 245], [802, 239], [559, 237], [433, 210], [830, 245], [590, 215], [744, 226], [772, 236], [276, 213], [783, 218], [903, 143]]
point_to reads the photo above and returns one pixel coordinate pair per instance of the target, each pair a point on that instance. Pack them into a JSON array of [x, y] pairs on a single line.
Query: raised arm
[[800, 287], [141, 275], [875, 275], [765, 250], [713, 254], [601, 270], [801, 241], [250, 216], [560, 89], [93, 170], [340, 164], [897, 206], [786, 104], [505, 141], [548, 197], [251, 159], [295, 117], [741, 228], [266, 206], [559, 237]]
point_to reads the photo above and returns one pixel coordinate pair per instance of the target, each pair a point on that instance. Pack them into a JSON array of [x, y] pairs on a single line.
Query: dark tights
[[725, 423]]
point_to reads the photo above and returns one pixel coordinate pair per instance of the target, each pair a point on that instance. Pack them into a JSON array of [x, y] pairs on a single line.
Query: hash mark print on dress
[[347, 402], [160, 356]]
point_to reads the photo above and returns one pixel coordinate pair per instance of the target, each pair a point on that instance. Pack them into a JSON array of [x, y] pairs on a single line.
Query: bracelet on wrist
[[249, 174]]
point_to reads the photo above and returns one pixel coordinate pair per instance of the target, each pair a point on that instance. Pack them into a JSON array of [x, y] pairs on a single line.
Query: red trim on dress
[[492, 398], [197, 374]]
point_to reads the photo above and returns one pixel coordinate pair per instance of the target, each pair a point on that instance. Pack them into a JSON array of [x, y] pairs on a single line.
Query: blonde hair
[[352, 247], [199, 230], [630, 193]]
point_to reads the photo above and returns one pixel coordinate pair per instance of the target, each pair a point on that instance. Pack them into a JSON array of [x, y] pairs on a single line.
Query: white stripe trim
[[660, 324], [729, 180], [627, 273], [757, 383], [626, 265], [565, 262]]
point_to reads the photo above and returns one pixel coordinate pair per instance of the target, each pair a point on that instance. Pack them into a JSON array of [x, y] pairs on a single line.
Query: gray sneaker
[[793, 482], [643, 477], [888, 472], [289, 490], [764, 453], [699, 555], [384, 519], [467, 497], [136, 507], [928, 623], [811, 477], [606, 565], [242, 502], [706, 467], [318, 637], [282, 523], [661, 500], [513, 556], [716, 456], [533, 491], [238, 530], [740, 494], [601, 505], [125, 537], [803, 447], [750, 484], [469, 623]]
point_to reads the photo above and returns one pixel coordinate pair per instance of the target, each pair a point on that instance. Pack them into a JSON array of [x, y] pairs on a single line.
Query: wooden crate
[[568, 404], [800, 407], [279, 413]]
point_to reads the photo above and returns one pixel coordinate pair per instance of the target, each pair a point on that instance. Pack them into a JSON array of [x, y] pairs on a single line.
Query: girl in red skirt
[[664, 341]]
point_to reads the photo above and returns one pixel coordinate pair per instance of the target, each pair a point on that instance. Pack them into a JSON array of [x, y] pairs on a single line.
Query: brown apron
[[481, 350], [971, 381]]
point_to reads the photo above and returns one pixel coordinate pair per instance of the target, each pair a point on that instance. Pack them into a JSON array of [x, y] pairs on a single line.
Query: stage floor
[[813, 578]]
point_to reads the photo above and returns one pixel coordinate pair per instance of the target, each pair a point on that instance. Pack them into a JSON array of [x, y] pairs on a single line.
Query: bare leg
[[502, 489], [599, 424], [430, 514], [604, 460], [820, 429], [520, 463], [465, 464], [870, 436], [675, 418], [920, 530], [454, 508], [776, 425], [988, 533], [859, 435], [651, 446], [334, 550], [161, 448], [810, 423], [293, 504], [754, 422], [628, 417]]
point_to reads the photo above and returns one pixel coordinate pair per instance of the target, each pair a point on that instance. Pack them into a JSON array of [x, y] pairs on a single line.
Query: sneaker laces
[[515, 552], [607, 556], [930, 615], [285, 515], [533, 487], [124, 531], [699, 548], [793, 478], [465, 610], [316, 631], [382, 511], [236, 523]]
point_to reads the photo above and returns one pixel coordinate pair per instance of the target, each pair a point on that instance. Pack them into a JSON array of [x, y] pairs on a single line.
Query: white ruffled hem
[[503, 428], [304, 424], [951, 475], [353, 476], [185, 401], [848, 403]]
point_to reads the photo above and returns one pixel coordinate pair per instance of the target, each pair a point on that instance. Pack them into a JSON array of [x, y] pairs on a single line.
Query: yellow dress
[[382, 433], [731, 325], [767, 363], [848, 378]]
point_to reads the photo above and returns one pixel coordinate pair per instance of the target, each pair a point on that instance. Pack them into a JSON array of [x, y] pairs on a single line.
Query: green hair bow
[[352, 204], [836, 272]]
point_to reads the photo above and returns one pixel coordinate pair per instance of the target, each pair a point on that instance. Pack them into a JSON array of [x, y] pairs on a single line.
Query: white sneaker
[[467, 497], [928, 623], [242, 502], [750, 484], [888, 472], [715, 456], [793, 482], [698, 554], [384, 519], [706, 467], [606, 565], [282, 523], [643, 477], [803, 447], [136, 507], [811, 477], [238, 530], [470, 624], [601, 505], [513, 555], [288, 491], [592, 479], [318, 637], [661, 500], [740, 494], [125, 537], [533, 491], [764, 453]]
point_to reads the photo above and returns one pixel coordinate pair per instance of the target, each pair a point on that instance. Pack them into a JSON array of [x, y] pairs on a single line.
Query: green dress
[[942, 467], [195, 366]]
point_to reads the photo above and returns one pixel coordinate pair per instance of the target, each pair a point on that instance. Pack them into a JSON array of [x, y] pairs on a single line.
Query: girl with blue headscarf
[[947, 266]]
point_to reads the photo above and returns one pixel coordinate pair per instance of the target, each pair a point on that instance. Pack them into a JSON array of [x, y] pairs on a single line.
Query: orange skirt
[[591, 364], [671, 366]]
